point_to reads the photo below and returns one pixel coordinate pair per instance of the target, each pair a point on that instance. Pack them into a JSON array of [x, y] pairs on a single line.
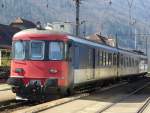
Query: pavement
[[5, 93], [5, 87]]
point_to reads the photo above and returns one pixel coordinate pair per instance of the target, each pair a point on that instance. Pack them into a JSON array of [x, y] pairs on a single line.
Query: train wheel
[[71, 91], [63, 92]]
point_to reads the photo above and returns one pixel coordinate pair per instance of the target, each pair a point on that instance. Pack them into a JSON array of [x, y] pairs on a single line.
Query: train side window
[[114, 59], [129, 62], [133, 62], [121, 60], [104, 59], [90, 57], [76, 56], [101, 58], [137, 62], [109, 59], [124, 61], [97, 58]]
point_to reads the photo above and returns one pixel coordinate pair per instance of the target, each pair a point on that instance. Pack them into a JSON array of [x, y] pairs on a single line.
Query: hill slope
[[100, 16]]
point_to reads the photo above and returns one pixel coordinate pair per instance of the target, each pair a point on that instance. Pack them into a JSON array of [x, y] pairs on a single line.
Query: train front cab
[[39, 67]]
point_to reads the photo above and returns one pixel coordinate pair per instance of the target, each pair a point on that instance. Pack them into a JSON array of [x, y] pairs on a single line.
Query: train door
[[71, 62], [116, 64], [121, 64], [77, 71], [97, 64], [94, 63], [91, 64]]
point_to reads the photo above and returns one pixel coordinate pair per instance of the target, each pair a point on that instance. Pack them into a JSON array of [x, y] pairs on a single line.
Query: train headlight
[[19, 70], [53, 71]]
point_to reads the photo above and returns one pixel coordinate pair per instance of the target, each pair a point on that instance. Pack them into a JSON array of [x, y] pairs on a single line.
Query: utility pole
[[117, 46], [77, 2], [146, 46], [130, 4], [84, 27], [135, 39]]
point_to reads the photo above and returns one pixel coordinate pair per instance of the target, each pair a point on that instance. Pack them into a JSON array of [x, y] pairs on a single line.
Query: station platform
[[4, 87]]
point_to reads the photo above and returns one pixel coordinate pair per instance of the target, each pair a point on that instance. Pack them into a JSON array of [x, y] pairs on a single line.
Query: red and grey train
[[46, 62]]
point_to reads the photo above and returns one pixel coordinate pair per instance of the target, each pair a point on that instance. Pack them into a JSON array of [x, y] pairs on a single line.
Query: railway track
[[126, 97], [8, 106], [78, 94], [66, 100], [143, 107], [88, 96], [38, 108], [11, 104]]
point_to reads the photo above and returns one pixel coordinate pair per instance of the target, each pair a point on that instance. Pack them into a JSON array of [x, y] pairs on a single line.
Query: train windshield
[[19, 50], [56, 51], [37, 50]]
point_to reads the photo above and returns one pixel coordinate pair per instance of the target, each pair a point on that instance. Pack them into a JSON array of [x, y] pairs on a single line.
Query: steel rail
[[12, 105], [123, 98], [143, 107], [5, 89], [61, 101]]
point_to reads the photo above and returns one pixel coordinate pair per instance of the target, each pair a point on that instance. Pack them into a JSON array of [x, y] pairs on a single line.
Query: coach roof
[[37, 32]]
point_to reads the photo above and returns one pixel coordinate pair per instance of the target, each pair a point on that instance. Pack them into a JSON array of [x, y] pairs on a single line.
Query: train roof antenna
[[38, 25]]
